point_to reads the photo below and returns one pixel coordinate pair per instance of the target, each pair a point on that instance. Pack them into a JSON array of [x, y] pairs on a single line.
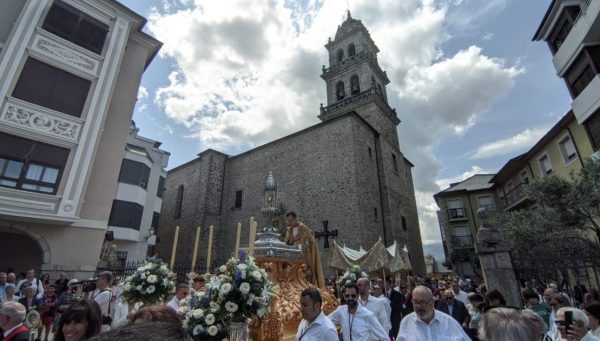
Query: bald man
[[425, 323]]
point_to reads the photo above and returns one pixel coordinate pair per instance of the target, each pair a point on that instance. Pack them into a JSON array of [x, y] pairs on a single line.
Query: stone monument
[[494, 254]]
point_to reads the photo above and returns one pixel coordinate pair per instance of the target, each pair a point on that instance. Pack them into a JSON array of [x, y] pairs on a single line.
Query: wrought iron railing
[[462, 242], [457, 213]]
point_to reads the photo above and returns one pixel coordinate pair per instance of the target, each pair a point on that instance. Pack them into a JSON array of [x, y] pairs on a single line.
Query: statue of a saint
[[299, 234]]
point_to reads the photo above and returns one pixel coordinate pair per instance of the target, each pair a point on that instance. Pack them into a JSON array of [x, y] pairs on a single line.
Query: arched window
[[354, 85], [404, 224], [339, 90], [351, 50], [178, 202], [340, 55]]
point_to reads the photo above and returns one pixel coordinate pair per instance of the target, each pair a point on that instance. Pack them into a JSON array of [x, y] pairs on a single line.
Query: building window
[[340, 90], [351, 50], [354, 85], [545, 165], [370, 153], [375, 214], [134, 173], [154, 224], [456, 210], [238, 199], [76, 27], [486, 201], [462, 238], [524, 177], [563, 27], [178, 202], [583, 70], [592, 126], [126, 214], [567, 149], [340, 55], [161, 187], [395, 162], [53, 88], [404, 226], [30, 165]]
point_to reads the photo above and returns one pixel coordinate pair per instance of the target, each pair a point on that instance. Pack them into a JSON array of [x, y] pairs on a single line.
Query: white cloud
[[142, 93], [488, 36], [518, 143], [248, 72]]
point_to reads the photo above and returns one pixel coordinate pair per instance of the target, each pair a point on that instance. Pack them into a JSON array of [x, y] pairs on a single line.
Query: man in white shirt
[[102, 295], [578, 330], [182, 291], [35, 283], [459, 294], [358, 323], [375, 305], [315, 326], [425, 323]]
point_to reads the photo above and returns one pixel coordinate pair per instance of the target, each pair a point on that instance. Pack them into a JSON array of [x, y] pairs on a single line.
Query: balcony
[[456, 214], [585, 30], [515, 197], [588, 101], [462, 242]]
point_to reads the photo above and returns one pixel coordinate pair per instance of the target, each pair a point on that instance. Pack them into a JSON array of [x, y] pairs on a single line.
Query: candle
[[236, 253], [174, 246], [208, 256], [196, 242]]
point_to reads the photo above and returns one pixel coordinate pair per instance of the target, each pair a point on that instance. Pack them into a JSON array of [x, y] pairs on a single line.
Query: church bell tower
[[354, 80]]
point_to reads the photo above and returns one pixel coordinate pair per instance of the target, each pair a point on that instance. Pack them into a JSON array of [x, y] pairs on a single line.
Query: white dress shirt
[[320, 329], [461, 296], [361, 326], [173, 303], [378, 307], [8, 331], [442, 327]]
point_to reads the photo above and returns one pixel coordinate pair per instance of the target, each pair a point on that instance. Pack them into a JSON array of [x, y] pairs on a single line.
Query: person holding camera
[[102, 295], [573, 323]]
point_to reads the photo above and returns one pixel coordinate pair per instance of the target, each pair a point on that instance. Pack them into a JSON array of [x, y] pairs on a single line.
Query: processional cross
[[326, 234]]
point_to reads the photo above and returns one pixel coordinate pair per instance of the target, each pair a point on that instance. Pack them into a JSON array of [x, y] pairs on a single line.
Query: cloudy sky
[[471, 88]]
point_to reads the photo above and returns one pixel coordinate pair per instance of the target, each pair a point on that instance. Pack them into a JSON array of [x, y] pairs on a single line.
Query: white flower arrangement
[[242, 290], [151, 283], [351, 275]]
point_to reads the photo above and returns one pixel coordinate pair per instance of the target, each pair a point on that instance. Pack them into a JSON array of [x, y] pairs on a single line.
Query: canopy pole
[[384, 282]]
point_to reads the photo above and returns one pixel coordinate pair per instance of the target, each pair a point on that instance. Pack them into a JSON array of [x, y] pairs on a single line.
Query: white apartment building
[[136, 208], [69, 76]]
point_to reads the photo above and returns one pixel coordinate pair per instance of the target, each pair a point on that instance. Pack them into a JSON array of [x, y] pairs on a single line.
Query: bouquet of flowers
[[152, 282], [352, 274], [241, 290]]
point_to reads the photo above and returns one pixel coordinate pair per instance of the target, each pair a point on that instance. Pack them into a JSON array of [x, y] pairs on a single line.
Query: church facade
[[348, 170]]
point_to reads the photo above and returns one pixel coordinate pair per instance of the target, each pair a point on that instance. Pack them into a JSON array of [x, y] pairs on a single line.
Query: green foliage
[[554, 234]]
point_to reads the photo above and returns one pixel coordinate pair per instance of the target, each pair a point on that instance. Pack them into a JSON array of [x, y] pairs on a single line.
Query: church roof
[[351, 26]]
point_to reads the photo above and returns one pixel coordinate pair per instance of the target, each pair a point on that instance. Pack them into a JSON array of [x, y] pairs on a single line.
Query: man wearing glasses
[[358, 323], [425, 323], [455, 308]]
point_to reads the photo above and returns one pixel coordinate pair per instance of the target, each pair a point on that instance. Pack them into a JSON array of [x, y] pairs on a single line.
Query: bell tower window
[[354, 85], [339, 90], [351, 50], [340, 55]]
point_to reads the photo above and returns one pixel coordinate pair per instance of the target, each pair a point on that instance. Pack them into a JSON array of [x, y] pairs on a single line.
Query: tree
[[562, 229]]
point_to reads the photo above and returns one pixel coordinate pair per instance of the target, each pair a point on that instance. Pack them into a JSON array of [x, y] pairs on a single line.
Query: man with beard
[[425, 323], [358, 323]]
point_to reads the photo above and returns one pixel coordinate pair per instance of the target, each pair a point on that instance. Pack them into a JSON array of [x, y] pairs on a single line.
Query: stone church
[[348, 170]]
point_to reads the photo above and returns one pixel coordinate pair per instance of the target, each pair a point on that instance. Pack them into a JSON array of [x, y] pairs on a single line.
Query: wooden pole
[[209, 254], [236, 253], [196, 242], [384, 283], [174, 246]]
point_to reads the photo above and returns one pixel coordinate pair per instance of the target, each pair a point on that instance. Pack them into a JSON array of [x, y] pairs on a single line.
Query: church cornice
[[353, 102]]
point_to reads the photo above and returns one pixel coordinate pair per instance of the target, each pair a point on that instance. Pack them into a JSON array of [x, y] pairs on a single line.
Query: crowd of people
[[371, 309]]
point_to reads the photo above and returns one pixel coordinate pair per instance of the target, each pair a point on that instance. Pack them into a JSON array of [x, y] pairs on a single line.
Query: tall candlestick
[[236, 253], [196, 242], [208, 256], [174, 246], [252, 237]]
